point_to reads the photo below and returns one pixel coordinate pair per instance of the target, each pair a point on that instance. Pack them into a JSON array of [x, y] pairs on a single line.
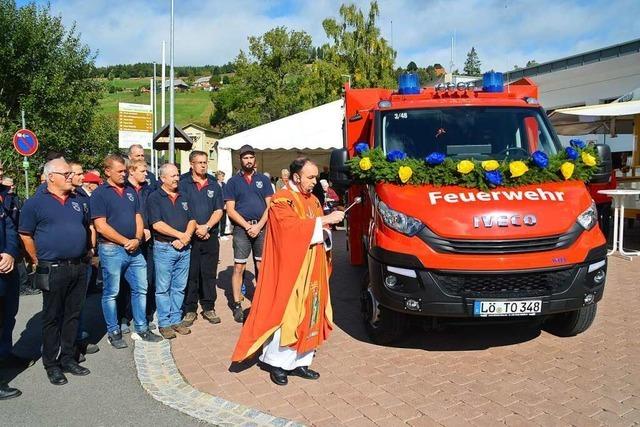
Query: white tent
[[611, 109], [314, 132]]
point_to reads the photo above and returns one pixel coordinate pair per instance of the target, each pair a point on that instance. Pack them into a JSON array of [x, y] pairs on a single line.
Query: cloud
[[504, 32]]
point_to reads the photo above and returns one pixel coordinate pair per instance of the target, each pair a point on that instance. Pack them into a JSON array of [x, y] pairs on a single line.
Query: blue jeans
[[172, 272], [114, 262]]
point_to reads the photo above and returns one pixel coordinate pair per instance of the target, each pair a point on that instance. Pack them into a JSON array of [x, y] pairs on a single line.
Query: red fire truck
[[451, 252]]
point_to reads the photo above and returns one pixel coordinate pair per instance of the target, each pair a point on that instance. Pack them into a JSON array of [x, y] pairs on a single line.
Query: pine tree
[[472, 64]]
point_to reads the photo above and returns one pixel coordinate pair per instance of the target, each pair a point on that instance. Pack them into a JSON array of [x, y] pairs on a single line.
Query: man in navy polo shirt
[[54, 227], [247, 196], [173, 226], [9, 293], [136, 153], [138, 172], [205, 201], [115, 210]]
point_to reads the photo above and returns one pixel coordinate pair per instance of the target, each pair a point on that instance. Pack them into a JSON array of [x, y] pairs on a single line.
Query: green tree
[[358, 49], [412, 67], [531, 63], [267, 84], [472, 64], [46, 71]]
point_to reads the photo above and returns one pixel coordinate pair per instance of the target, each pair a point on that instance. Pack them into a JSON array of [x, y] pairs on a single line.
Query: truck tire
[[571, 323], [383, 326]]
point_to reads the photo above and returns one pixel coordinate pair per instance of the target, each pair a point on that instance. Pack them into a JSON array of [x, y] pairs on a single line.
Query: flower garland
[[577, 162]]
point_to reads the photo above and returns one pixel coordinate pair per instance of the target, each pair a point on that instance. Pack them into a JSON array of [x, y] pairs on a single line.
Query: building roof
[[202, 80], [207, 131], [578, 60], [176, 82]]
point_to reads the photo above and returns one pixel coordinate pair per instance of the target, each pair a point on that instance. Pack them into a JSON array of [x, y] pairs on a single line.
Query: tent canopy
[[611, 109], [316, 128], [314, 132]]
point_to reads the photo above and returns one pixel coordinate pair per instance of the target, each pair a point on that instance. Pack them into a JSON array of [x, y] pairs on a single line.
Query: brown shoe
[[167, 333], [181, 329], [211, 316], [189, 318]]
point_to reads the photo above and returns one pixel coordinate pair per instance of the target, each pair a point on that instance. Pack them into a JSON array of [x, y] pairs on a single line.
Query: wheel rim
[[371, 311]]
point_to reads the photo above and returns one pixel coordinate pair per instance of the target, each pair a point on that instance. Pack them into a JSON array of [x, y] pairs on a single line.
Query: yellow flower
[[465, 166], [588, 159], [517, 168], [567, 169], [405, 173], [365, 163], [490, 165]]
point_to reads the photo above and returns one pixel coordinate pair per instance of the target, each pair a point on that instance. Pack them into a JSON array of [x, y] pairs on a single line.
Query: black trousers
[[61, 308], [203, 269], [604, 218]]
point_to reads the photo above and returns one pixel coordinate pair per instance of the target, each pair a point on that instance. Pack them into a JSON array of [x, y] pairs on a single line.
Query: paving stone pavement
[[159, 376], [463, 375]]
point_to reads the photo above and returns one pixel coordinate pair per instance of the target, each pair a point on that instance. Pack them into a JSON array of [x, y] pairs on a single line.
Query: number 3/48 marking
[[400, 115]]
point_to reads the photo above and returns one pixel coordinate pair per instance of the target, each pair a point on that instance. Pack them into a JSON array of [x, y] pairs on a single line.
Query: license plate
[[507, 308]]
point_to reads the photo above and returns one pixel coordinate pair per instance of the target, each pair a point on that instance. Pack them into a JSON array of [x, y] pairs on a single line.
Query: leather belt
[[61, 262]]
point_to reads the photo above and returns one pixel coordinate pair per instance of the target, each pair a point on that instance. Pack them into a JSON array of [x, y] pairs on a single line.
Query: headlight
[[405, 224], [589, 218]]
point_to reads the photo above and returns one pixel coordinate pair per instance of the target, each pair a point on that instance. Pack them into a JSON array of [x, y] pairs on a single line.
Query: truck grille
[[492, 247], [509, 285]]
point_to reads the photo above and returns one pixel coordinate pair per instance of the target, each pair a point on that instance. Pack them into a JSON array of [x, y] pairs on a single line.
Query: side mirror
[[603, 173], [338, 169]]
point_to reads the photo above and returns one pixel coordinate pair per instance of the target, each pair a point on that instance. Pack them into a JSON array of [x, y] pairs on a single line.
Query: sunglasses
[[66, 175]]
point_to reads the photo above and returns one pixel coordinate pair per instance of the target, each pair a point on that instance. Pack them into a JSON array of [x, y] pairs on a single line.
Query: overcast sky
[[504, 33]]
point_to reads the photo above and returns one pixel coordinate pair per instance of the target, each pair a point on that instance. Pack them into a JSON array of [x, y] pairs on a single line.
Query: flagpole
[[171, 94]]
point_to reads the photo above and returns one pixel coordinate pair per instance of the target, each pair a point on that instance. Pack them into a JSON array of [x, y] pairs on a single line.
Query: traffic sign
[[25, 142]]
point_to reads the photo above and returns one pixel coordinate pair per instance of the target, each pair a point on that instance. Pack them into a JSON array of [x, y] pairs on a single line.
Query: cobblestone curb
[[160, 377]]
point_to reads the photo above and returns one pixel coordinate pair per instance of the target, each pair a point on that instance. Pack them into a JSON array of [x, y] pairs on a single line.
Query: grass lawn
[[131, 84], [190, 107]]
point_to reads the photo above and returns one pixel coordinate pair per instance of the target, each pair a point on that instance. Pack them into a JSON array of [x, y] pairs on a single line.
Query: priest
[[291, 312]]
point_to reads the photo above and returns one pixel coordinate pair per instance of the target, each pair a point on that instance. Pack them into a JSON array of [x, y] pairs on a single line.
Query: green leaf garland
[[446, 173]]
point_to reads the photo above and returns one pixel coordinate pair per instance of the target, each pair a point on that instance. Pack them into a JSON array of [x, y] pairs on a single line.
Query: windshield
[[469, 132]]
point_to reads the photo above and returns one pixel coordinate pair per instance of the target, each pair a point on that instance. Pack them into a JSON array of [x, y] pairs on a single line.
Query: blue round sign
[[25, 142]]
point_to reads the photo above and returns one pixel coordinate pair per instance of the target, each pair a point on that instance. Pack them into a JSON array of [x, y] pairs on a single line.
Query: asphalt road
[[111, 395]]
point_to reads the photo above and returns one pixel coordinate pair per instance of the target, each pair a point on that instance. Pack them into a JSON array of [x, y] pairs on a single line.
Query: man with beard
[[291, 311], [247, 196]]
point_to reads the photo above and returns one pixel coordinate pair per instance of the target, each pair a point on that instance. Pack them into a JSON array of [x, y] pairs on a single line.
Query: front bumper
[[446, 293]]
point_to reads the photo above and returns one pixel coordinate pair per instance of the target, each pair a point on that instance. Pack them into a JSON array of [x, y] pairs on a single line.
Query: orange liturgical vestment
[[292, 293]]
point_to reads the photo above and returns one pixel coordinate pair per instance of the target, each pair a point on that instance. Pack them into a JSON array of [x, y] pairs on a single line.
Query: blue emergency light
[[408, 84], [492, 82]]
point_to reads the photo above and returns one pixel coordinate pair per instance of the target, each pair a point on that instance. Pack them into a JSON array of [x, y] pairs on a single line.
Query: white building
[[595, 77]]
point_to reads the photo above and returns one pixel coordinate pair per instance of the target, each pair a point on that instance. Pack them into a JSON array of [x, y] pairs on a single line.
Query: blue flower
[[361, 147], [540, 159], [578, 143], [572, 154], [395, 155], [434, 158], [494, 177]]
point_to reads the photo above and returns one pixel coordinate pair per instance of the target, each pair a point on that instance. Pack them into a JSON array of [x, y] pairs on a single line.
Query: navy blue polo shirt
[[118, 206], [173, 212], [203, 200], [143, 192], [249, 196], [60, 227]]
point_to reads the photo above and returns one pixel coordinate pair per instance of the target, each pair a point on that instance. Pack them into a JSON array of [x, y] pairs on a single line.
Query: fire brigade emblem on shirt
[[130, 196], [210, 194], [185, 206], [259, 184], [76, 206]]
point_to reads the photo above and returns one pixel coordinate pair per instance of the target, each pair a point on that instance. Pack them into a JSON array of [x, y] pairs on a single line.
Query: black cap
[[246, 149]]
